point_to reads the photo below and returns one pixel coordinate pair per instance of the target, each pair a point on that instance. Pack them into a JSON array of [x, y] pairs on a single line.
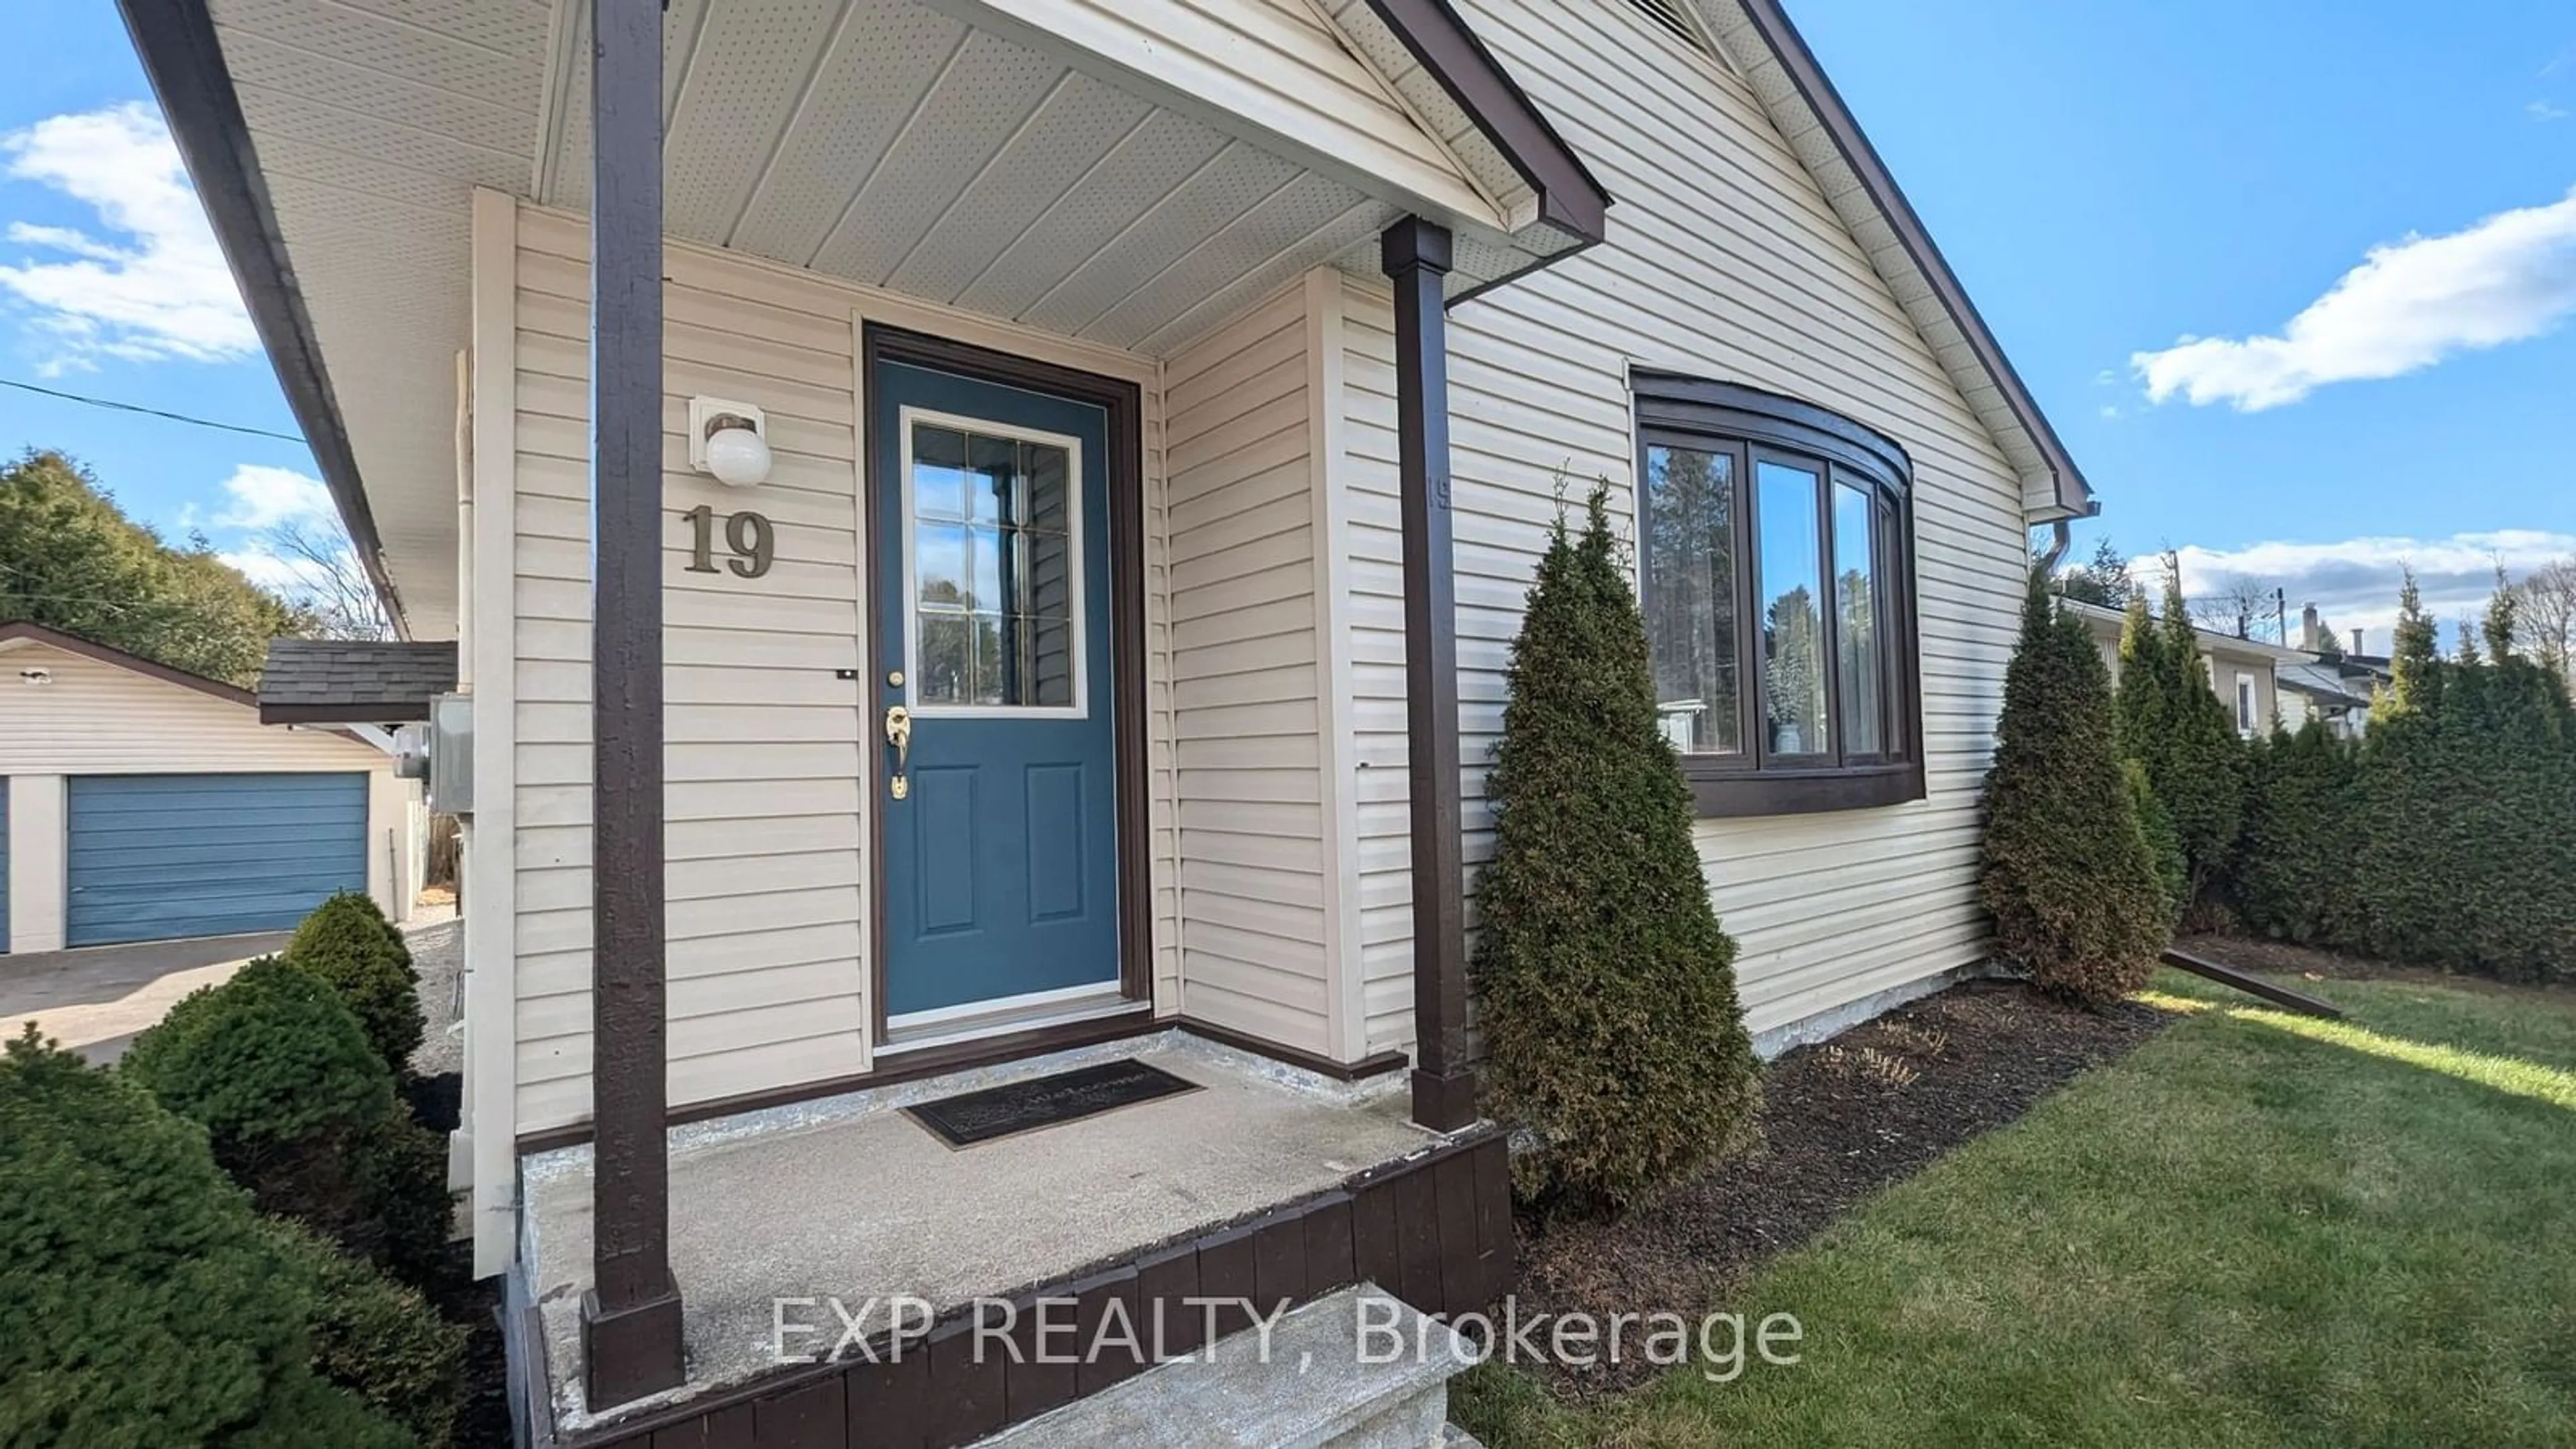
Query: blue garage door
[[154, 857]]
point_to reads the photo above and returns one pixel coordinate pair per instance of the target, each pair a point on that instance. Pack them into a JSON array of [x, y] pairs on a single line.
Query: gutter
[[175, 39]]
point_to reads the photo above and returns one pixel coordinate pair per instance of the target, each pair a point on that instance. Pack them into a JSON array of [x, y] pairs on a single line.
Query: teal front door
[[998, 807]]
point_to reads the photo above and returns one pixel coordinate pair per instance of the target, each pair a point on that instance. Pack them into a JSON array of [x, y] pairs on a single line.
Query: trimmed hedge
[[2294, 876], [2067, 871], [2447, 837], [1612, 1031], [300, 1110], [347, 944], [2173, 873], [380, 1340], [145, 1303], [2175, 726]]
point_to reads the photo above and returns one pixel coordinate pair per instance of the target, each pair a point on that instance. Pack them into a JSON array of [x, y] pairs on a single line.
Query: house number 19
[[746, 536]]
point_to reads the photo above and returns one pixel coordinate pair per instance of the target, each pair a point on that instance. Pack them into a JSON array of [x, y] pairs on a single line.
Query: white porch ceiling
[[886, 142]]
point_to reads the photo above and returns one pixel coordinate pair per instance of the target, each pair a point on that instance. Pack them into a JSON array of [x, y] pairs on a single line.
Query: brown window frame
[[1706, 416]]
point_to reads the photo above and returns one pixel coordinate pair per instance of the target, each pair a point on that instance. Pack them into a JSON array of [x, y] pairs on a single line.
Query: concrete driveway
[[94, 1000]]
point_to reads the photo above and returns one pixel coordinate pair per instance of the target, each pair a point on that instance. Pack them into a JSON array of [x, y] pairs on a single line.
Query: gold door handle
[[898, 733]]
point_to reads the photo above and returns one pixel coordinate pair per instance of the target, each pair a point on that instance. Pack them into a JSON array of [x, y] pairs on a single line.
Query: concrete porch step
[[1311, 1391]]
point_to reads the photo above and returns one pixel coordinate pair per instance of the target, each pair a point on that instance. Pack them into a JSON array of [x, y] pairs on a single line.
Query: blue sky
[[2108, 180]]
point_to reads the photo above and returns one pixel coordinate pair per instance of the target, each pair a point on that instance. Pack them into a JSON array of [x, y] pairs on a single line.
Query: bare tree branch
[[327, 581], [2545, 619]]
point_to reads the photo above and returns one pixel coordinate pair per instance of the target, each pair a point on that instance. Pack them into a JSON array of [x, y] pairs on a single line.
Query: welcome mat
[[1006, 1111]]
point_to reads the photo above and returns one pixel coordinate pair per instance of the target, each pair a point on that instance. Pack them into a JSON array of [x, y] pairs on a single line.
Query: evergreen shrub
[[2444, 838], [2172, 722], [2173, 873], [299, 1109], [2066, 871], [380, 1340], [1613, 1036], [146, 1304], [350, 923], [347, 944]]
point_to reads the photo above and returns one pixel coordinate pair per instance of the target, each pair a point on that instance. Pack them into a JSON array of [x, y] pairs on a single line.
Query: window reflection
[[1790, 558], [1690, 598], [1856, 643], [994, 586]]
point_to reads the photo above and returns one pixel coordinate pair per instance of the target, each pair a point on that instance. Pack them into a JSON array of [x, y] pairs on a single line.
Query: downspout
[[2059, 538]]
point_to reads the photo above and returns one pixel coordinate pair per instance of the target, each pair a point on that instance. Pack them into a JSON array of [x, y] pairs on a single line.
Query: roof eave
[[1569, 197], [176, 42]]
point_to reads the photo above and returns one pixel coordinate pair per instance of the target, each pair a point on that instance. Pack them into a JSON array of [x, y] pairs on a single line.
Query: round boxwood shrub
[[380, 1340], [2066, 870], [347, 944], [145, 1303], [300, 1110], [1613, 1038], [350, 923]]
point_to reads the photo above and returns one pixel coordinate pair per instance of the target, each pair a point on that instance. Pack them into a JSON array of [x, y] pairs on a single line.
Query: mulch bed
[[1840, 1120]]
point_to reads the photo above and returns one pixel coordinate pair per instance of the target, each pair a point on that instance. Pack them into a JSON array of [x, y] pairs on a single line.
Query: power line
[[123, 407]]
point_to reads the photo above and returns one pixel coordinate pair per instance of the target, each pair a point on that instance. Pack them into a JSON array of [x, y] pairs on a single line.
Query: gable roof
[[27, 631], [1821, 132], [353, 681]]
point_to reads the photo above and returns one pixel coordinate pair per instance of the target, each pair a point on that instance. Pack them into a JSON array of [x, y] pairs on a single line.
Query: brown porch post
[[1415, 253], [631, 1318]]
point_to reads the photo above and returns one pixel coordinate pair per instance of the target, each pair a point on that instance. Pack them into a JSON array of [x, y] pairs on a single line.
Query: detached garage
[[143, 803]]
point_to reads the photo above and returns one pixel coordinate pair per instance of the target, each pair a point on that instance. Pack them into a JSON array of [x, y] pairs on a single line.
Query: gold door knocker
[[898, 729]]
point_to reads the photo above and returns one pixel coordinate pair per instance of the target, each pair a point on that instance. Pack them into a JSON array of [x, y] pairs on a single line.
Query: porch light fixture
[[729, 440]]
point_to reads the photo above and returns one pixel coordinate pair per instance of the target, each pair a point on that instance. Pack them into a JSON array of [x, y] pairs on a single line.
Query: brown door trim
[[1124, 403]]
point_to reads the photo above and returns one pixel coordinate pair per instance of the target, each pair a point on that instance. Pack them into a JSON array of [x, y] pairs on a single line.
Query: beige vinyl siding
[[1373, 542], [1724, 260], [98, 719], [766, 748], [1248, 678]]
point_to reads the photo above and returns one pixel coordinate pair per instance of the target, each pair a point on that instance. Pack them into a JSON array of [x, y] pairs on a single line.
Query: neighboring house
[[2243, 672], [2328, 691], [2329, 685], [1150, 416], [143, 803]]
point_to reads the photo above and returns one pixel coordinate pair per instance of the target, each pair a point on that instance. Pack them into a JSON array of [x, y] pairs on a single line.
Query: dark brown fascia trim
[[176, 41], [1358, 1071], [1717, 795], [36, 633], [1568, 195], [397, 712], [1790, 49]]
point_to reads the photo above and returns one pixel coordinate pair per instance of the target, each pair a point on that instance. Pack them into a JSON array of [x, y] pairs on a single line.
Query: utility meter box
[[451, 754]]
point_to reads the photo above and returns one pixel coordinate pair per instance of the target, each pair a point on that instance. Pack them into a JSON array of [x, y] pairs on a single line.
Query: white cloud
[[152, 284], [2544, 111], [2409, 305], [257, 500], [2354, 582], [260, 497]]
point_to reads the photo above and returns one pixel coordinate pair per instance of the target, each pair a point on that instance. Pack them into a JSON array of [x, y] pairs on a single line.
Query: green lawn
[[2259, 1229]]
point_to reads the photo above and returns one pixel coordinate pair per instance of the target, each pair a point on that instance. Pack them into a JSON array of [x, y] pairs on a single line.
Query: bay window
[[1774, 543]]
